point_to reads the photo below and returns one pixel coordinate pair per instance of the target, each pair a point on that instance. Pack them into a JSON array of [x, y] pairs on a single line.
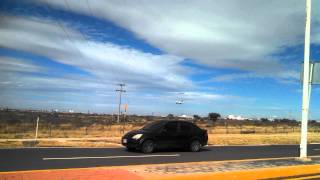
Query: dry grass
[[259, 139], [106, 136], [70, 132], [79, 143], [11, 144], [214, 139]]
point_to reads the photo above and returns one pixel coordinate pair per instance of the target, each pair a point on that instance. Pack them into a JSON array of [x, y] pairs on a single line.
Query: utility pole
[[306, 84], [121, 90], [125, 111]]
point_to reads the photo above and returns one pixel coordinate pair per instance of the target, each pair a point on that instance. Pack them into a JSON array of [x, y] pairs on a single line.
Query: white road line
[[316, 149], [113, 157]]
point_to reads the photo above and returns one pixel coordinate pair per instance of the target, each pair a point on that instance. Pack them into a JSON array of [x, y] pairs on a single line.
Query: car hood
[[134, 132]]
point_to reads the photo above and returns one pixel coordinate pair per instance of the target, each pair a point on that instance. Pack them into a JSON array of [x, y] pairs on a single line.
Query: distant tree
[[170, 116], [196, 117], [54, 118], [286, 121], [264, 120], [313, 122], [276, 120], [213, 116]]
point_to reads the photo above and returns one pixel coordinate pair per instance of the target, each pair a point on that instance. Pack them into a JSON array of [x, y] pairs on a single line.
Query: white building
[[234, 117], [186, 116]]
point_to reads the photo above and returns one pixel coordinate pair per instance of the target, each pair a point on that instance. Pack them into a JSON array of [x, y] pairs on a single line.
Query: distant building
[[234, 117], [185, 116]]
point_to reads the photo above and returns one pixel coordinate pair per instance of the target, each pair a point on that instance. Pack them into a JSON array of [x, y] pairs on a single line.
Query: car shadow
[[204, 149]]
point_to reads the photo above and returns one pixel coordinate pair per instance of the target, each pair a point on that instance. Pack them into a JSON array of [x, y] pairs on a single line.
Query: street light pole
[[306, 84], [121, 90]]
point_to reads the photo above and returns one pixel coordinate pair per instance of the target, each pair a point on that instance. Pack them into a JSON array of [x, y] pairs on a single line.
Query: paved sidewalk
[[224, 166], [76, 174], [277, 173], [61, 139], [276, 168]]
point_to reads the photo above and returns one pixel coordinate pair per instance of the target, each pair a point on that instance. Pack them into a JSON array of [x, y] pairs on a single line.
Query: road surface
[[61, 158]]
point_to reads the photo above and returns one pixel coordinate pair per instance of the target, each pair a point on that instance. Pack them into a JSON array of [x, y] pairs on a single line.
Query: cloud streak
[[32, 84], [108, 62], [224, 34], [165, 45]]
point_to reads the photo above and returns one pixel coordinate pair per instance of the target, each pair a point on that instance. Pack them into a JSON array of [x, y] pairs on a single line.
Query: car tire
[[195, 146], [147, 146]]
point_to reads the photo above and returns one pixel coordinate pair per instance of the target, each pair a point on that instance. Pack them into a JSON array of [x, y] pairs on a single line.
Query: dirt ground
[[214, 139]]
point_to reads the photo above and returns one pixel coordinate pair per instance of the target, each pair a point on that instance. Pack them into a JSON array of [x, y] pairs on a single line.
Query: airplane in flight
[[179, 102], [180, 99]]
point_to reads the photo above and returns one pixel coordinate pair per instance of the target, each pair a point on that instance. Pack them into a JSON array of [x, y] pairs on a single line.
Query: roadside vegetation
[[17, 128]]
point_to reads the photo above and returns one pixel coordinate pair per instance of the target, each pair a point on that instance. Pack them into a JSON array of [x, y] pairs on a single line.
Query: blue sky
[[230, 57]]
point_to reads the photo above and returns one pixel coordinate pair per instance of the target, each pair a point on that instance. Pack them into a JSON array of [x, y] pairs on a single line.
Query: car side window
[[185, 128], [171, 127]]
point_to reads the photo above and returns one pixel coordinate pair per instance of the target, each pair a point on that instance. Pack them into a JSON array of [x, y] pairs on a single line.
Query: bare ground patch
[[214, 139]]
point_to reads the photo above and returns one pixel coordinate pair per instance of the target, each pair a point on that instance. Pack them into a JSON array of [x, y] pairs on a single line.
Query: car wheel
[[195, 146], [147, 146]]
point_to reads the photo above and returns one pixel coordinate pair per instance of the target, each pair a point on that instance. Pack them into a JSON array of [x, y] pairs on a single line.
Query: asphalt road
[[61, 158]]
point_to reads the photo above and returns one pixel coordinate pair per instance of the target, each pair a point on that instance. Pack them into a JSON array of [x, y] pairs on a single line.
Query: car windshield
[[152, 126]]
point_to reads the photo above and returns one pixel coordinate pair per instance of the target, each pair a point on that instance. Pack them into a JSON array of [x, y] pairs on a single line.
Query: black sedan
[[166, 134]]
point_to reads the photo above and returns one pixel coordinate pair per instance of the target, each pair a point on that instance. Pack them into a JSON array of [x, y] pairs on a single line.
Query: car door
[[168, 137], [185, 133]]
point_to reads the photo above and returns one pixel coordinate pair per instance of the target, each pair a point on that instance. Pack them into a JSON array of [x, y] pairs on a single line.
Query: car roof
[[166, 120]]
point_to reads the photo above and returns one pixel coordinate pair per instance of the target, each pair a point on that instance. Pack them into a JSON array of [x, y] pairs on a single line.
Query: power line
[[89, 7], [84, 39], [68, 7], [66, 32]]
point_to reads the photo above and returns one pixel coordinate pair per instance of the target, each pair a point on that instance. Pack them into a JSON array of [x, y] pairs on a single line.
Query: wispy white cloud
[[108, 62], [33, 84], [229, 34], [88, 93], [224, 34], [284, 77], [9, 64]]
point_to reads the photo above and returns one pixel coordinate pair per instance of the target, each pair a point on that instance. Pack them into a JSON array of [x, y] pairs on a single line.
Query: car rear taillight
[[205, 133]]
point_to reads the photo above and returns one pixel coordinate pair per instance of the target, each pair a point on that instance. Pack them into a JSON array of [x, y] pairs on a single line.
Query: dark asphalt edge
[[120, 146]]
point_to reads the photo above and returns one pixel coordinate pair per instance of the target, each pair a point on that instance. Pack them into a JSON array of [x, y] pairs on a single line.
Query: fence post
[[226, 126], [265, 130], [50, 133], [292, 129], [86, 129], [36, 136]]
